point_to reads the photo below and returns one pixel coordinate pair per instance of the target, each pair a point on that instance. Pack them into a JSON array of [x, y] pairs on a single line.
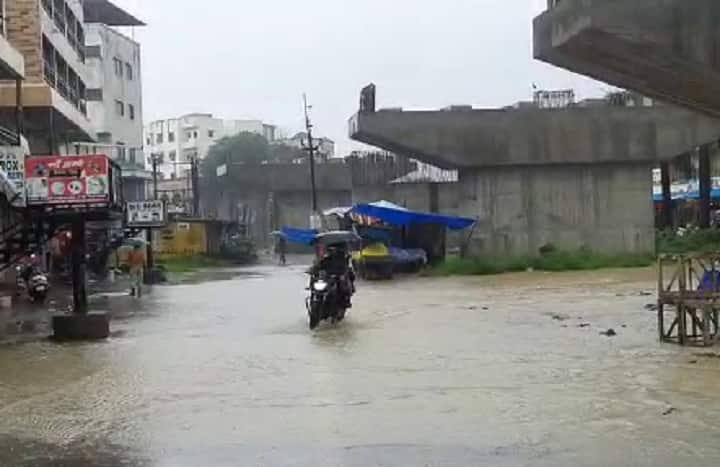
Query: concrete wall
[[605, 207], [507, 137], [666, 49]]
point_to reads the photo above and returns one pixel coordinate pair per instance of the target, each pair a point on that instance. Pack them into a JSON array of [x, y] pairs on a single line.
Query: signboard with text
[[141, 214], [12, 163], [53, 180]]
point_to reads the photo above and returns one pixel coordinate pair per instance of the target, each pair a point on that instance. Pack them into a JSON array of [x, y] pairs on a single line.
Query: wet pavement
[[509, 370]]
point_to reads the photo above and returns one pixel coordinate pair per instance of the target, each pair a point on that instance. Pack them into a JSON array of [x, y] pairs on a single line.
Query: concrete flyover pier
[[667, 49], [573, 177]]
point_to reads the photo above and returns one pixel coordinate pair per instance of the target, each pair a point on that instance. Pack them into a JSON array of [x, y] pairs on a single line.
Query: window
[[159, 138], [195, 134], [149, 140], [94, 94], [188, 135], [171, 136], [211, 133], [121, 152], [131, 111], [118, 66], [132, 155], [129, 71], [172, 156], [120, 108]]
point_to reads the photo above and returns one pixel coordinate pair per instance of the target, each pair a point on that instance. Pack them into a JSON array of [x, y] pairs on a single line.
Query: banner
[[146, 214], [67, 179], [12, 163]]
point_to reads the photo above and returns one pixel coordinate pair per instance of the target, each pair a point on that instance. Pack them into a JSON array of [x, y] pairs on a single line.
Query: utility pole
[[311, 148], [195, 176], [154, 158]]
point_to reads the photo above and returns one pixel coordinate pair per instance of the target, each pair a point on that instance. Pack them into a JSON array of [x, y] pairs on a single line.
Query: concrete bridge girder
[[514, 137], [575, 177], [667, 49]]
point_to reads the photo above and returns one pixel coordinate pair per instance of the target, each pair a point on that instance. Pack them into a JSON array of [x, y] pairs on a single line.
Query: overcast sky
[[241, 58]]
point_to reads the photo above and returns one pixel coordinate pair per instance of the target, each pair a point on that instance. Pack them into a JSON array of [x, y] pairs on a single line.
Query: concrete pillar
[[80, 299]]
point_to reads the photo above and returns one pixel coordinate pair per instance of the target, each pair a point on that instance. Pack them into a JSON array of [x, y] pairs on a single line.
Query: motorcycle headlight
[[320, 286]]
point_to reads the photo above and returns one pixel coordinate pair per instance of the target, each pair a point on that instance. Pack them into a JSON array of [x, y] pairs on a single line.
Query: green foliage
[[553, 260], [688, 241], [190, 263], [239, 249], [246, 148]]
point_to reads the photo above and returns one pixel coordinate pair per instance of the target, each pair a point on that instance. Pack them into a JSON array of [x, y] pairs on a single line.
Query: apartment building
[[326, 146], [175, 142], [114, 91], [12, 70], [50, 36]]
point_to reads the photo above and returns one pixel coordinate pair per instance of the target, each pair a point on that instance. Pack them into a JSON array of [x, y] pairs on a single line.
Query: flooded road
[[510, 370]]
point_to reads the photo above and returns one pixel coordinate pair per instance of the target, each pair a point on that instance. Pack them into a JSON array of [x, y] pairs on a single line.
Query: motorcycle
[[32, 281], [327, 299], [330, 293]]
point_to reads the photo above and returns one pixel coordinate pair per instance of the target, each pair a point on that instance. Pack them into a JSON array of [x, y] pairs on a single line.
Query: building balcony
[[12, 63], [45, 109], [665, 49]]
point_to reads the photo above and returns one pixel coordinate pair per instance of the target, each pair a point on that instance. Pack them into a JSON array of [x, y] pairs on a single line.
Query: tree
[[243, 148], [247, 148]]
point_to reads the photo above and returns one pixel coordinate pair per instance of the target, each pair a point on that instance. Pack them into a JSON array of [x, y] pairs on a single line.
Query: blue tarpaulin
[[300, 236], [714, 194], [402, 217]]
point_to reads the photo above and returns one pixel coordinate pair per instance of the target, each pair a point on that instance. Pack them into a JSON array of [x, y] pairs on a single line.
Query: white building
[[326, 146], [114, 91], [176, 141]]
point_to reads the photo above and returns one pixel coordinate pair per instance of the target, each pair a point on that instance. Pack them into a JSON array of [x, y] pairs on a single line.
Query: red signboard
[[52, 180]]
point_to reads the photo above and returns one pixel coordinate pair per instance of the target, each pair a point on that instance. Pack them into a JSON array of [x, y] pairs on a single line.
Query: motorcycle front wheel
[[315, 315]]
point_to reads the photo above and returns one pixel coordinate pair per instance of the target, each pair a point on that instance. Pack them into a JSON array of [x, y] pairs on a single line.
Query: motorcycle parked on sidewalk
[[34, 282]]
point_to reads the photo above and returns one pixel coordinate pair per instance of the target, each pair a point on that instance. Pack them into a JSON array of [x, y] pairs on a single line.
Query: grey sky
[[237, 58]]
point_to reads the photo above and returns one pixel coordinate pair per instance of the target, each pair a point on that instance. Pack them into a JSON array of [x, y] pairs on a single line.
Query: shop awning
[[402, 217]]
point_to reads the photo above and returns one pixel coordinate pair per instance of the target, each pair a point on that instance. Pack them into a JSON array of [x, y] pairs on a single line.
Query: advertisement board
[[146, 214], [12, 163], [52, 180]]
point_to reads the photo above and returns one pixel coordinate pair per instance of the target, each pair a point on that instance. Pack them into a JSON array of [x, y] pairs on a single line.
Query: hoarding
[[53, 180], [12, 163], [146, 214]]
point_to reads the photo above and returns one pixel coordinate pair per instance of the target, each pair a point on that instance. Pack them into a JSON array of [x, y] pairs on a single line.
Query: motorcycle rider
[[335, 261]]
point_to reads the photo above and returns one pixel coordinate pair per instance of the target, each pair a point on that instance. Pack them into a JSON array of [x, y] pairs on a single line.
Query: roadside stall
[[396, 239]]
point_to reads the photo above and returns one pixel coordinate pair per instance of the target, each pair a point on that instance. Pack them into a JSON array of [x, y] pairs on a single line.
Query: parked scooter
[[31, 280]]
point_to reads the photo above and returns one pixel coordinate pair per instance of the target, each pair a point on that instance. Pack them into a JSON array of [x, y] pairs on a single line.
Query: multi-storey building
[[50, 35], [174, 142], [114, 91]]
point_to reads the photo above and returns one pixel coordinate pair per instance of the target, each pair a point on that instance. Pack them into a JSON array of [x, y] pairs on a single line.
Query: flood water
[[509, 370]]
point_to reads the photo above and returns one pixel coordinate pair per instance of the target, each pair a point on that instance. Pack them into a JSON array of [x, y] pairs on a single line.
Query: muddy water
[[490, 371]]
